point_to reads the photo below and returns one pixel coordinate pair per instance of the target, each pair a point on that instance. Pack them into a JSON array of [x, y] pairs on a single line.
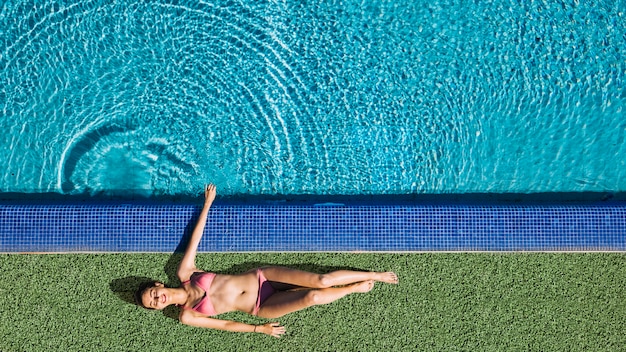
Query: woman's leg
[[281, 303], [335, 278]]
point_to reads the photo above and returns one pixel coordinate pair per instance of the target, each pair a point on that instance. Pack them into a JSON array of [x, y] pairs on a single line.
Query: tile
[[145, 228]]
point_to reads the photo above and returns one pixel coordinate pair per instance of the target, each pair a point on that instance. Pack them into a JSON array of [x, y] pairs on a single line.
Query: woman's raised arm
[[187, 265]]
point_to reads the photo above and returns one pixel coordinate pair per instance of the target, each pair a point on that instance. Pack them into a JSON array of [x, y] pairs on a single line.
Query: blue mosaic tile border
[[159, 228]]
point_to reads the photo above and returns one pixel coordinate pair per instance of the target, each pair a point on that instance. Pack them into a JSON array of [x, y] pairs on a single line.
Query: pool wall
[[329, 227]]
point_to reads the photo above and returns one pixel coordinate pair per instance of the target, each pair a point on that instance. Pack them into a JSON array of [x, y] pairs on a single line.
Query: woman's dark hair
[[142, 288]]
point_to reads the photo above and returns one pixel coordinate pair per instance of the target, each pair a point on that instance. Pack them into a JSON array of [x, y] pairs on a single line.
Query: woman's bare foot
[[363, 286], [388, 277]]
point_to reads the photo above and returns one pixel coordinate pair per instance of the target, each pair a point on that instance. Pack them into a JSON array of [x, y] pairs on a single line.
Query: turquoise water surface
[[346, 97]]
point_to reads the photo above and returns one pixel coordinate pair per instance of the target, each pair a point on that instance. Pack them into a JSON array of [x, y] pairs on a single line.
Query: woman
[[203, 295]]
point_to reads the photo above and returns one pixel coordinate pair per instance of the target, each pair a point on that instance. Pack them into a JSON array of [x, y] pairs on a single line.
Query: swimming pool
[[451, 125], [340, 98]]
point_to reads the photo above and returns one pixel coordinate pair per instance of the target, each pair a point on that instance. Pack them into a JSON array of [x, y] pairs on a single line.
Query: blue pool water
[[381, 97]]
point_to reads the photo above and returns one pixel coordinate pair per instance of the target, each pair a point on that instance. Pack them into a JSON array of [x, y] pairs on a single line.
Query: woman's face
[[156, 297]]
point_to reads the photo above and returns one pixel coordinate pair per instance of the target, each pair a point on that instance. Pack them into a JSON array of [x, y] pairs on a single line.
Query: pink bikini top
[[204, 281]]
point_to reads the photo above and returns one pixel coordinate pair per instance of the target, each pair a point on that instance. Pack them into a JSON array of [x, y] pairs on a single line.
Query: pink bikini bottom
[[265, 291]]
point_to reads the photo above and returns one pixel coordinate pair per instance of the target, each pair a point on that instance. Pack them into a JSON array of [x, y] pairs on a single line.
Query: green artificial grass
[[451, 302]]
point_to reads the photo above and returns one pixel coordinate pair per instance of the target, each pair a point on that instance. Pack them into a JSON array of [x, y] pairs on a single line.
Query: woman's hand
[[209, 194], [272, 329]]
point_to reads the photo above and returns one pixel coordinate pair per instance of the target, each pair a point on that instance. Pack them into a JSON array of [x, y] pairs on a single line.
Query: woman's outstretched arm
[[189, 318], [187, 265]]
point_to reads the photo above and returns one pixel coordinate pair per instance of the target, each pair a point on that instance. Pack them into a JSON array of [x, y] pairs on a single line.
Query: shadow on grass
[[125, 288]]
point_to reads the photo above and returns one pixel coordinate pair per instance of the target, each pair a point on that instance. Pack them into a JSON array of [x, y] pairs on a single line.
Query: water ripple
[[261, 97]]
